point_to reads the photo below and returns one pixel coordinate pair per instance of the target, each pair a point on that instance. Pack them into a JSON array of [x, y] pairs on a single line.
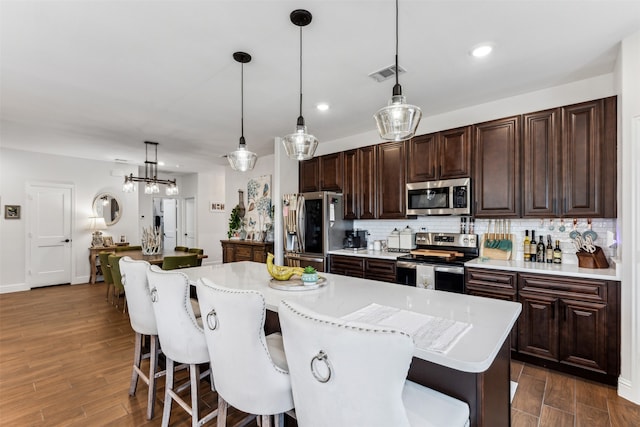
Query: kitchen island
[[475, 369]]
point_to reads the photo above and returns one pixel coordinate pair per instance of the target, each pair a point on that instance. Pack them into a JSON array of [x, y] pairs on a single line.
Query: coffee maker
[[355, 239]]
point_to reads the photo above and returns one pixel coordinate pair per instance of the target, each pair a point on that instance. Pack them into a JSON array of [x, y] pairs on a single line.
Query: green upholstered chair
[[197, 251], [179, 261], [106, 271], [181, 249], [118, 288], [128, 248]]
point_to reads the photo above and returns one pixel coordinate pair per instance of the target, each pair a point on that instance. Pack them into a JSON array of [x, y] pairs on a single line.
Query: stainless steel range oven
[[438, 261]]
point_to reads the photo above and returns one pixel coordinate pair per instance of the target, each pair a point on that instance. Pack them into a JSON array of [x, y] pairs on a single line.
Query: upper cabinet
[[351, 184], [570, 161], [496, 149], [323, 173], [441, 155], [391, 184]]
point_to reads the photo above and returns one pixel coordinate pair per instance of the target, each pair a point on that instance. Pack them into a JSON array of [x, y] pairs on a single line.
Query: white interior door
[[170, 222], [49, 233], [190, 222]]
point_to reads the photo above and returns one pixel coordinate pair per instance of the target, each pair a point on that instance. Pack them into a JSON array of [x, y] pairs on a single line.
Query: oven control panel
[[447, 239]]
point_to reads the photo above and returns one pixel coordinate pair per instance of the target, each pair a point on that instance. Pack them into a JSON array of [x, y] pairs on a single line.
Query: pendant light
[[300, 145], [398, 120], [242, 159]]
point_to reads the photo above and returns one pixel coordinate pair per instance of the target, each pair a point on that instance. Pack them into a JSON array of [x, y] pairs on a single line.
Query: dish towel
[[425, 277], [428, 332]]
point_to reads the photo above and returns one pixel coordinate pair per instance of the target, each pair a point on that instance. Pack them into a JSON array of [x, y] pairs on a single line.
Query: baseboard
[[626, 391], [17, 287]]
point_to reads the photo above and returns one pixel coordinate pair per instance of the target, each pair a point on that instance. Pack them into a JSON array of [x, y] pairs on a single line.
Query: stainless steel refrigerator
[[313, 224]]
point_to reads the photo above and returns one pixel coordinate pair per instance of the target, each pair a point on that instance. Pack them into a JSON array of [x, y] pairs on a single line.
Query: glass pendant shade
[[300, 145], [242, 160], [398, 121], [128, 186]]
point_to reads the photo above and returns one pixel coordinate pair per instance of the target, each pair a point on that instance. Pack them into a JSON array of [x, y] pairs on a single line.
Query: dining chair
[[348, 374], [179, 261], [128, 248], [250, 370], [106, 271], [182, 340], [118, 289], [181, 249], [197, 251], [143, 322]]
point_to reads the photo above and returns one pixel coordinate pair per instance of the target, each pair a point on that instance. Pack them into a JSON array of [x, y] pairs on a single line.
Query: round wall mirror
[[106, 205]]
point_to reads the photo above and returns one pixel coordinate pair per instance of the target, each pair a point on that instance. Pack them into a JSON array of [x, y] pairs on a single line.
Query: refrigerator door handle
[[301, 223]]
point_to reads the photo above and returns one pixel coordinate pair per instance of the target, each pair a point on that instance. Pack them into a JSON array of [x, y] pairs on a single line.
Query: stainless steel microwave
[[445, 197]]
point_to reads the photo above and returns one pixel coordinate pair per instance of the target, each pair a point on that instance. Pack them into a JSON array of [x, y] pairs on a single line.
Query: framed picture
[[216, 207], [11, 211], [108, 240]]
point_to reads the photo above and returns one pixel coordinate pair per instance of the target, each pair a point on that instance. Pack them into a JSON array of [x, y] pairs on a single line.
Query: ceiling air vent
[[385, 73]]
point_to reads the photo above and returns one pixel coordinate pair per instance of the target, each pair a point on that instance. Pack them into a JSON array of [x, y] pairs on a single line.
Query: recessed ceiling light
[[323, 106], [481, 50]]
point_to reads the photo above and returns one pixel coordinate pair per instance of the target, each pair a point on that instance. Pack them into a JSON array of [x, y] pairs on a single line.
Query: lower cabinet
[[568, 324], [368, 268], [245, 250]]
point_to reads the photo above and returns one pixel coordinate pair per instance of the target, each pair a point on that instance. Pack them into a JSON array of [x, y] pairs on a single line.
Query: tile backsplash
[[604, 227]]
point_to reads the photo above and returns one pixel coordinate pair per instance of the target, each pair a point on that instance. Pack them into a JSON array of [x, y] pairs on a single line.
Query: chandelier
[[151, 181], [398, 120]]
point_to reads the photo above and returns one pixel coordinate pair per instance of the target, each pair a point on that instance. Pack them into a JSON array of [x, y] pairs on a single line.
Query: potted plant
[[309, 276], [234, 222]]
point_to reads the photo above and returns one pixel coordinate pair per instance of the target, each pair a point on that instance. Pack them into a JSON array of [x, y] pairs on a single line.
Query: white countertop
[[366, 253], [491, 319], [567, 270]]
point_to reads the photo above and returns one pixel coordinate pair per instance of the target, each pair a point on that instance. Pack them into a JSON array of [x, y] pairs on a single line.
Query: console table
[[245, 250], [93, 255]]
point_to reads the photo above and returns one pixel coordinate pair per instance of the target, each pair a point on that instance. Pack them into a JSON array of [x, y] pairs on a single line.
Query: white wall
[[212, 226], [88, 178]]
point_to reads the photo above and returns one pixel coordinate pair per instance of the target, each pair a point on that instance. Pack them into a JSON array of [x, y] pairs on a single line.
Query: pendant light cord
[[300, 71], [397, 71], [242, 102]]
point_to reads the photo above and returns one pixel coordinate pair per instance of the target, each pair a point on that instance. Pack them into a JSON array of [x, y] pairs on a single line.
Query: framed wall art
[[11, 211]]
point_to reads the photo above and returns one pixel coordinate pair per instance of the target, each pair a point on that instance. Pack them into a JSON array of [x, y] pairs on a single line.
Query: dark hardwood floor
[[65, 359]]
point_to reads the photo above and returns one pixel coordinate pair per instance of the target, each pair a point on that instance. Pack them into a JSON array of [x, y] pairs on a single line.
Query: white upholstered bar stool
[[143, 322], [249, 369], [182, 339], [353, 374]]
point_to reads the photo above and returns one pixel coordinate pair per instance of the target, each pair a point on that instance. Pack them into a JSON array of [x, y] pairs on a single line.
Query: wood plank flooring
[[65, 359]]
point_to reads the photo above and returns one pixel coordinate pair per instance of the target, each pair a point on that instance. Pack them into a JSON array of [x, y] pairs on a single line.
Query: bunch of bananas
[[280, 272]]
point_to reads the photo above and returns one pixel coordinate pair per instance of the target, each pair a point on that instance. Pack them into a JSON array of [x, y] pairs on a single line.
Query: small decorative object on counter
[[310, 276], [526, 246], [281, 272], [151, 240], [557, 253]]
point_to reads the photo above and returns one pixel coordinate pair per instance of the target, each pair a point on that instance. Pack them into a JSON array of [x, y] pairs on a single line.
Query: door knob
[[66, 241]]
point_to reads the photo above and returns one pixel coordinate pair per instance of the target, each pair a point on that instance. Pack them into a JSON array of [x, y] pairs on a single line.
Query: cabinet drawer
[[583, 289], [491, 280], [378, 269], [243, 253], [347, 265]]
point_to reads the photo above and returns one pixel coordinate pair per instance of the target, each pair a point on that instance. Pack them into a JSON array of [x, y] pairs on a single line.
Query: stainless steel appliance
[[355, 239], [445, 197], [313, 225], [438, 261]]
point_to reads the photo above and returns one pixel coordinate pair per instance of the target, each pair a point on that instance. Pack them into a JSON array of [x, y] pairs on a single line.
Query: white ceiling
[[94, 79]]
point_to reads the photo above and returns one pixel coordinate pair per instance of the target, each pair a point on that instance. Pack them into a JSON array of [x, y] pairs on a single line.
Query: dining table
[[474, 367], [154, 259]]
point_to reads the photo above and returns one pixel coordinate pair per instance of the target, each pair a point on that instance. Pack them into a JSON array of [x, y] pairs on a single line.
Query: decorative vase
[[243, 234], [309, 278], [151, 241], [241, 208]]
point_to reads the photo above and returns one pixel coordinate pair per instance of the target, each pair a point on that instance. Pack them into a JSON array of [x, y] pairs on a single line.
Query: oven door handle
[[406, 264], [448, 269]]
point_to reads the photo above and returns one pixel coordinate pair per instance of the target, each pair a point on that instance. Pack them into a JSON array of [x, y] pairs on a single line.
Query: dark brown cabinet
[[440, 155], [323, 173], [571, 323], [494, 284], [351, 187], [367, 162], [391, 183], [368, 268], [496, 149], [569, 161], [245, 250]]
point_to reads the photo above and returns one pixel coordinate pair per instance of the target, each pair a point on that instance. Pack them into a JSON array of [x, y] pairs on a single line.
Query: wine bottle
[[525, 246], [549, 253], [557, 253], [533, 247], [540, 249]]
